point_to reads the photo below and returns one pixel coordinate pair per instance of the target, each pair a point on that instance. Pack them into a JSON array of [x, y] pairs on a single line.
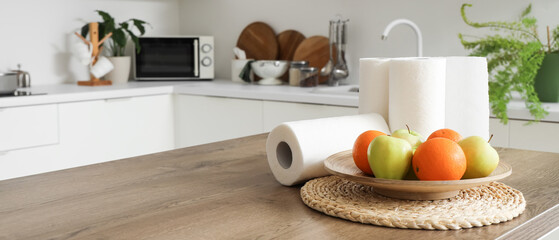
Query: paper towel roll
[[373, 86], [296, 150], [417, 94], [467, 96]]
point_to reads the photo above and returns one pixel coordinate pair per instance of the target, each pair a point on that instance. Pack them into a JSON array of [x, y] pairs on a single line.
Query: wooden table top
[[226, 190]]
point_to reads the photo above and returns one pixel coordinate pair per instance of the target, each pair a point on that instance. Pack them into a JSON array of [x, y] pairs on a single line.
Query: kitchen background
[[38, 33]]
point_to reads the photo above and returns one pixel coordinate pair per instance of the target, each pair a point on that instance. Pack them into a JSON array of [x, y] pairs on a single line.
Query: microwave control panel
[[206, 57]]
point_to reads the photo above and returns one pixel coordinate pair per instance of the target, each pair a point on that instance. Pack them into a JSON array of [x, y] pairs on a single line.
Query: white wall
[[439, 20], [37, 33]]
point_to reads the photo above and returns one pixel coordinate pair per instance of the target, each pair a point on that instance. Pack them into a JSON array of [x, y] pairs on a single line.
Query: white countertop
[[62, 93], [282, 93], [517, 110], [220, 88]]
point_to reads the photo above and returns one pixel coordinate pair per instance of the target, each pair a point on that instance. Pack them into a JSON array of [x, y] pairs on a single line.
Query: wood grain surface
[[314, 49], [225, 190], [288, 41], [259, 42]]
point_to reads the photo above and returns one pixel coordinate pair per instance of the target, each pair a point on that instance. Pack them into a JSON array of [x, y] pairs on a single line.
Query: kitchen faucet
[[413, 26]]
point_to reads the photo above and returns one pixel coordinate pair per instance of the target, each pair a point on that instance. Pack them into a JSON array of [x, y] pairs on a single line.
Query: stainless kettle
[[23, 77]]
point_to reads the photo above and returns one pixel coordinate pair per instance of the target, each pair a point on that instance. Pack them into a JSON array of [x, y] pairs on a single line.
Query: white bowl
[[269, 71]]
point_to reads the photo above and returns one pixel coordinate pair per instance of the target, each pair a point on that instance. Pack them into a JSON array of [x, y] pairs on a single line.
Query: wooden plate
[[314, 49], [259, 42], [341, 164]]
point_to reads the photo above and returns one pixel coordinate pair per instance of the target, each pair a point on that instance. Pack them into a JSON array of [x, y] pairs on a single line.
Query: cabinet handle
[[118, 99]]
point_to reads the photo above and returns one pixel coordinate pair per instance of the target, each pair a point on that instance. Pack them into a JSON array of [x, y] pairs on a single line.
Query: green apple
[[389, 157], [481, 158], [412, 137]]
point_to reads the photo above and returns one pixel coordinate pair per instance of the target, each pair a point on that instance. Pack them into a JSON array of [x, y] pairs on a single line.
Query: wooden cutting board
[[288, 42], [314, 49], [259, 42]]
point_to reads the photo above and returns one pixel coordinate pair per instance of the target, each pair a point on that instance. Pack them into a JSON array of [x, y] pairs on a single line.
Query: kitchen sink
[[339, 90]]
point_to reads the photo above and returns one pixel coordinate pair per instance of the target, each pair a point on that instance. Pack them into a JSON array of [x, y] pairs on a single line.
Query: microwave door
[[167, 58]]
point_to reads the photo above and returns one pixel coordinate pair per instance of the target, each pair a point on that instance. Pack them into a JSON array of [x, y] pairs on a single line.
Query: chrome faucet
[[413, 26]]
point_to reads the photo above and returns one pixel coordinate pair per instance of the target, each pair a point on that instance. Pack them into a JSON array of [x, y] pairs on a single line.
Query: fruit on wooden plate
[[390, 157], [439, 159], [481, 157], [361, 147], [412, 137], [446, 133]]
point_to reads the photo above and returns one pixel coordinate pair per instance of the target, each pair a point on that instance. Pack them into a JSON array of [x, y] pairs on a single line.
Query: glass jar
[[295, 72], [309, 77]]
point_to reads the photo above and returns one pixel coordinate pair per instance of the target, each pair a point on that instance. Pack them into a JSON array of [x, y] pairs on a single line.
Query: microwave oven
[[174, 58]]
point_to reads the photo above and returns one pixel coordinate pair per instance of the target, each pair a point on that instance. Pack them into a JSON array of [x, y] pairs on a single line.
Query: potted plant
[[514, 62], [121, 33]]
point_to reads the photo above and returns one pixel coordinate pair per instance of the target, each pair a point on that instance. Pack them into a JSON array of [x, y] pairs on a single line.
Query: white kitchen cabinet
[[202, 119], [500, 133], [27, 135], [139, 125], [279, 112], [117, 128], [96, 131], [30, 126], [540, 136], [82, 134], [29, 161]]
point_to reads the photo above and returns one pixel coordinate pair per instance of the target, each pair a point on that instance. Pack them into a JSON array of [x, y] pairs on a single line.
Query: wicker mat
[[484, 205]]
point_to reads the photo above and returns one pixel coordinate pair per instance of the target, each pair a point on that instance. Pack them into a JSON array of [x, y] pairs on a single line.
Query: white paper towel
[[296, 150], [467, 96], [373, 86], [417, 94]]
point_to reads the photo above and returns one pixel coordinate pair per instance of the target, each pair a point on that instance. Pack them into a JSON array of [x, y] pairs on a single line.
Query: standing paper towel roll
[[467, 96], [417, 94], [296, 150], [373, 86]]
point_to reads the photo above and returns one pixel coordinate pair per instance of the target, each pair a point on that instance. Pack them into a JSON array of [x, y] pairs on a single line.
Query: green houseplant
[[513, 60], [121, 33]]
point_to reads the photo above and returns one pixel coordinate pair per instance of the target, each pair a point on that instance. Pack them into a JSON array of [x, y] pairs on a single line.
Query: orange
[[446, 133], [439, 159], [361, 147]]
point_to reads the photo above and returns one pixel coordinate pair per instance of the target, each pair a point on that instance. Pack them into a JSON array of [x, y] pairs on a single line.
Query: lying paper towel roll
[[467, 96], [373, 86], [296, 150], [417, 94]]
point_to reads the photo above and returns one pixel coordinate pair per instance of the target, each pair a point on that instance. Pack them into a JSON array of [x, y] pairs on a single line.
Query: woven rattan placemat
[[479, 206]]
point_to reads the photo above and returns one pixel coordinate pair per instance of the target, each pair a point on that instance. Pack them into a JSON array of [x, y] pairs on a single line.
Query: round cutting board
[[314, 49], [288, 42], [259, 42]]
